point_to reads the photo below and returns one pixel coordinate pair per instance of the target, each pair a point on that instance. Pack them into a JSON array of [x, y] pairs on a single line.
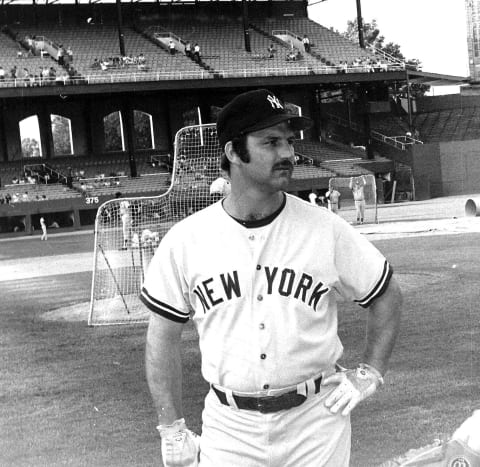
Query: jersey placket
[[257, 238]]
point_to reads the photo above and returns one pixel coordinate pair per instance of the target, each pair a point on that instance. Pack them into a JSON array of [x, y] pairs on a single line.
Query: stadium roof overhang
[[198, 84], [436, 79]]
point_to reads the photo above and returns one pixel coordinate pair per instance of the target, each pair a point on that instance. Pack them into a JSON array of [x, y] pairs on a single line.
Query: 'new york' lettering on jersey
[[264, 291]]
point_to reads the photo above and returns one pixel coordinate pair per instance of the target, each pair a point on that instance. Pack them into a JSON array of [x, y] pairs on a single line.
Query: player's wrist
[[367, 369], [172, 428]]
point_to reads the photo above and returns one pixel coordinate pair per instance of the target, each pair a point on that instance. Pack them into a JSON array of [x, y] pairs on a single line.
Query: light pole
[[361, 39]]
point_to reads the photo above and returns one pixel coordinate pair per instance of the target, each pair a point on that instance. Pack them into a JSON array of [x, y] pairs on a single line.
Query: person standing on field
[[43, 226], [258, 273], [126, 223], [333, 198], [357, 185]]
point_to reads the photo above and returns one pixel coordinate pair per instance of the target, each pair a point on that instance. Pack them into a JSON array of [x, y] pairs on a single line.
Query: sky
[[434, 31]]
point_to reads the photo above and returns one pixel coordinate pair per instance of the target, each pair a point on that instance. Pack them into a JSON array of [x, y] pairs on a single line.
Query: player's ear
[[231, 154]]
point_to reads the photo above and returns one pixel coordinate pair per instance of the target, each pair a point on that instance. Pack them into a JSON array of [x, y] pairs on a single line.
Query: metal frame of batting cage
[[99, 250]]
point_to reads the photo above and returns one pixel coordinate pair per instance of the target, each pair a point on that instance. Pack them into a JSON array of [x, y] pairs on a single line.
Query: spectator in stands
[[26, 76], [142, 65], [2, 199], [293, 55], [95, 64], [61, 55], [52, 74], [25, 196], [188, 49], [45, 73], [306, 43], [43, 226], [271, 51], [15, 198], [8, 198], [69, 54], [54, 225], [196, 52], [171, 47], [15, 180], [2, 73], [13, 72]]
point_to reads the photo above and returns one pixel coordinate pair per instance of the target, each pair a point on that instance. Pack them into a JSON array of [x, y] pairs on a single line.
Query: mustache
[[284, 165]]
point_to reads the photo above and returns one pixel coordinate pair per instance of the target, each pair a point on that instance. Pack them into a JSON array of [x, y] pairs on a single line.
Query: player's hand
[[180, 446], [469, 432], [353, 387]]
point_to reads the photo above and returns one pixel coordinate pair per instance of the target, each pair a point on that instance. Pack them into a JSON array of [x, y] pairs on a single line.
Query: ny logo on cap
[[274, 102]]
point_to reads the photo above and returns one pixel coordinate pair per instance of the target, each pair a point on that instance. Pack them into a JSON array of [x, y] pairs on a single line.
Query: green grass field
[[77, 396]]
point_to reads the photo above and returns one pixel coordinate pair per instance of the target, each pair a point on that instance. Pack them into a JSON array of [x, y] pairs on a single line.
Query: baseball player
[[259, 274], [43, 226], [333, 197], [357, 186], [126, 222]]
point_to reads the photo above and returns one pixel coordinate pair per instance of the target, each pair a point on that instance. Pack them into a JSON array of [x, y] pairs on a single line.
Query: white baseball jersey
[[358, 192], [263, 299]]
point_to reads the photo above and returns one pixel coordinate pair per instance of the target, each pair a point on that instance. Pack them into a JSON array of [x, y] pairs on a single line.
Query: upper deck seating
[[90, 42], [329, 45], [222, 48]]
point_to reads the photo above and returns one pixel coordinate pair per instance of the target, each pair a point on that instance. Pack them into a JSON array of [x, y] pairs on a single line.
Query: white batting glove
[[353, 387], [180, 446], [469, 432]]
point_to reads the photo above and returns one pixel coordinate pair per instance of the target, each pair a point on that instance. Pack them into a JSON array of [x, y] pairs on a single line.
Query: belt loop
[[310, 384], [230, 399], [302, 389]]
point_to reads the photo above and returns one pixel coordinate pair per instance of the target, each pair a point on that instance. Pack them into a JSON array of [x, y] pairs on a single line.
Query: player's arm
[[351, 183], [180, 446], [383, 324], [164, 367]]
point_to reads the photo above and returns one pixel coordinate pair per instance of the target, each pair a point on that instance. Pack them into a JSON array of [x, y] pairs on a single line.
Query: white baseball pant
[[305, 436]]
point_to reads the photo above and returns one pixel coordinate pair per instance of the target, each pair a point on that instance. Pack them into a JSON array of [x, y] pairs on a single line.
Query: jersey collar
[[251, 224]]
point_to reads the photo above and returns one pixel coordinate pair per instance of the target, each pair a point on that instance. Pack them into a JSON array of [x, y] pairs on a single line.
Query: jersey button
[[261, 326], [266, 386], [251, 237], [259, 298], [259, 267], [263, 356]]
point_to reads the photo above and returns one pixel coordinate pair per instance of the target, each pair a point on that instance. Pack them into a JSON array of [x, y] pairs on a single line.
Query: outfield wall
[[445, 169]]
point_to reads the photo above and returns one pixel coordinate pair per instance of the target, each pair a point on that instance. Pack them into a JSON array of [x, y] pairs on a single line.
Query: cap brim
[[296, 123]]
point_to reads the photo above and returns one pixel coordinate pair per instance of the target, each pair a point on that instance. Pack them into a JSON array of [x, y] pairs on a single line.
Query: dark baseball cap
[[253, 111]]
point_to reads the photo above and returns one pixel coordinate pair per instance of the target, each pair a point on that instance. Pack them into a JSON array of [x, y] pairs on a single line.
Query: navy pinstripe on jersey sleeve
[[379, 287], [163, 309]]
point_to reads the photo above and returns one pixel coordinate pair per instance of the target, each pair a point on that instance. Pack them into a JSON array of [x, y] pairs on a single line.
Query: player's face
[[271, 158]]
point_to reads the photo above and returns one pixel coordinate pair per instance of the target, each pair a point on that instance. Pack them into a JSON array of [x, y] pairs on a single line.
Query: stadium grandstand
[[92, 95]]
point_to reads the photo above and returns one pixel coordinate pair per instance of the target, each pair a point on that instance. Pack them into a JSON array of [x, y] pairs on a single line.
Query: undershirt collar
[[260, 222]]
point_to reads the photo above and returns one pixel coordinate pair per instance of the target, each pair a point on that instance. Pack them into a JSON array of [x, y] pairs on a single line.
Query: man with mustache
[[259, 273]]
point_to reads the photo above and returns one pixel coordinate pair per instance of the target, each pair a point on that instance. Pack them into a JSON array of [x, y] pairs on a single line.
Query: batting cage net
[[128, 230], [361, 185]]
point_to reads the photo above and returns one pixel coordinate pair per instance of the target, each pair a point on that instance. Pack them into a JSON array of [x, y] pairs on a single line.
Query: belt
[[268, 404]]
